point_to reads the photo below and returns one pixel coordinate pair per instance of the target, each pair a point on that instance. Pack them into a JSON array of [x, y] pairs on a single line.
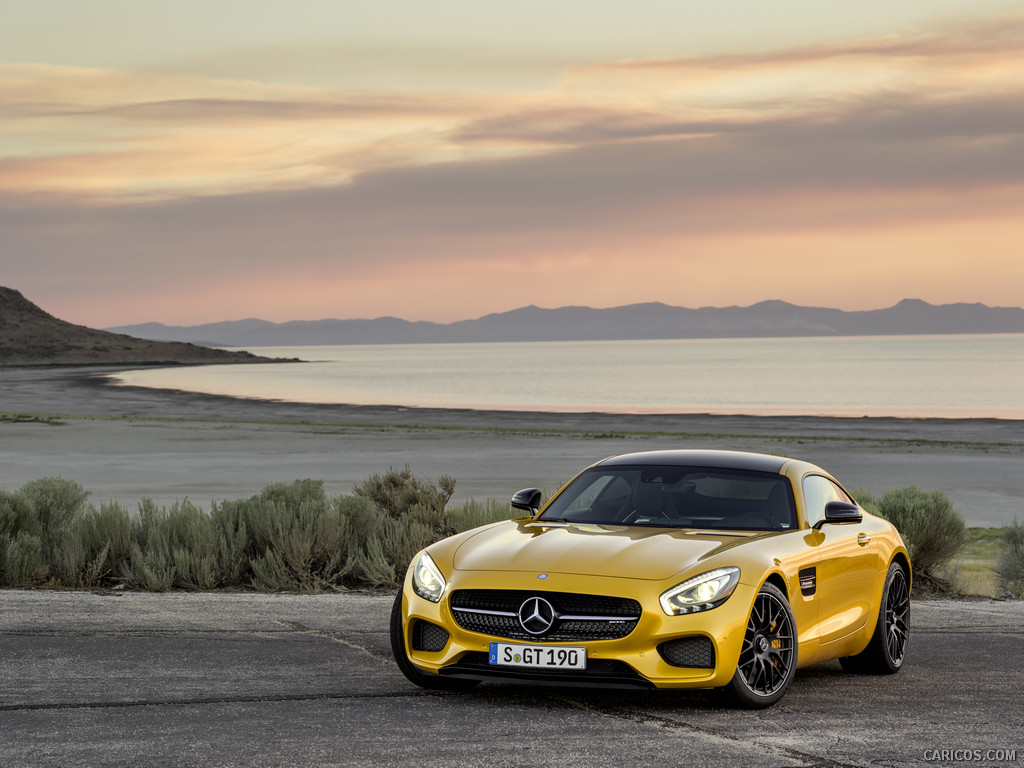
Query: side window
[[819, 491]]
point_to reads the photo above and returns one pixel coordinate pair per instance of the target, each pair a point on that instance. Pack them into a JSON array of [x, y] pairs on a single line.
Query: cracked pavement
[[273, 680]]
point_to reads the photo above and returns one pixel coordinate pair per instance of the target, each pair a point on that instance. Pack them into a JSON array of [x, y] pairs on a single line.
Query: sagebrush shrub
[[299, 538], [34, 523], [56, 502], [932, 529], [474, 513], [290, 536], [191, 544], [22, 561], [16, 514], [96, 547], [399, 495], [1011, 560]]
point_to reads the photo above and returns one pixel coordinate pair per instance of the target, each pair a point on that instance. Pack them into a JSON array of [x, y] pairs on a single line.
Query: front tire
[[887, 649], [767, 660], [422, 679]]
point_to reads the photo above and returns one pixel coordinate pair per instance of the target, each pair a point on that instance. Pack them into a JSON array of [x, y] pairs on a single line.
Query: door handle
[[863, 539]]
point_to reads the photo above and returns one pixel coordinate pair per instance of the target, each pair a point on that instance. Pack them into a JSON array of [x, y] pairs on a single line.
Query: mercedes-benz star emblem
[[536, 615]]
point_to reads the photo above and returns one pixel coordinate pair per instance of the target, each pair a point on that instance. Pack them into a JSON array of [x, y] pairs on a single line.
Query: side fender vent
[[808, 581]]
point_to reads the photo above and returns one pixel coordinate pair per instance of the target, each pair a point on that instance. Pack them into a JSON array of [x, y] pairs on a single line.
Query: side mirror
[[528, 500], [840, 512]]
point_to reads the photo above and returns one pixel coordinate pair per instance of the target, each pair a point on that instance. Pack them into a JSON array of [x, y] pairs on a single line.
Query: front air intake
[[697, 652], [428, 637]]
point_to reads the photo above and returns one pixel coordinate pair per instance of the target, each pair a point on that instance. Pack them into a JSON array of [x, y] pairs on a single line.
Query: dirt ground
[[128, 443]]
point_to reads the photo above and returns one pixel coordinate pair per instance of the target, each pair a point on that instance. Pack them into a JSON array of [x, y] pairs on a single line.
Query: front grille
[[697, 651], [577, 617], [428, 637]]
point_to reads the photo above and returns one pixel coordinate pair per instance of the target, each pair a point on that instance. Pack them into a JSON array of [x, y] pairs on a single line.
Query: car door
[[847, 567]]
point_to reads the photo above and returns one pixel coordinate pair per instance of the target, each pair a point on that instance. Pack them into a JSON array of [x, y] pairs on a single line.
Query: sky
[[200, 161]]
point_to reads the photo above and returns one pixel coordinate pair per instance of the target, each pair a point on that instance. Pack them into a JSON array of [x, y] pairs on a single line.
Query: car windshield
[[677, 497]]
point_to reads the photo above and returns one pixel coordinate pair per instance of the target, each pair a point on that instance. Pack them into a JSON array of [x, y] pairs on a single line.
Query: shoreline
[[124, 400], [126, 443], [110, 380]]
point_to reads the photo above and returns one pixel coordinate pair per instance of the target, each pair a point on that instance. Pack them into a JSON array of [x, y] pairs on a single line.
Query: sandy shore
[[126, 443]]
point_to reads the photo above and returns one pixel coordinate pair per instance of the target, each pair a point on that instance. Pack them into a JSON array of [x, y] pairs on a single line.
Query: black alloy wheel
[[887, 649], [897, 618], [768, 657]]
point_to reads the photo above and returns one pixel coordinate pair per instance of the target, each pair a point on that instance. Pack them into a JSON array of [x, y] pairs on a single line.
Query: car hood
[[590, 550]]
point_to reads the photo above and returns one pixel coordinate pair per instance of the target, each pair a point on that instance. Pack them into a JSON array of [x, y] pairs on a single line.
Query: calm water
[[944, 376]]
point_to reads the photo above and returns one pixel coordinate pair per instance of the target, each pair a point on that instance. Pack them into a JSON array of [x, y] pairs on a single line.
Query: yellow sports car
[[663, 569]]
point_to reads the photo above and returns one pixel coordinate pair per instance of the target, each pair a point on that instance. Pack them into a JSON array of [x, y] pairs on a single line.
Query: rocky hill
[[30, 336]]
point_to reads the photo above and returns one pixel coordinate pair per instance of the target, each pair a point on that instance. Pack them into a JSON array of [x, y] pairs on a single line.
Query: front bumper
[[654, 654]]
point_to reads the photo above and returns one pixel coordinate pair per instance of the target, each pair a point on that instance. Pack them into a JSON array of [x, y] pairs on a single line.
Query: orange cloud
[[157, 136], [850, 174]]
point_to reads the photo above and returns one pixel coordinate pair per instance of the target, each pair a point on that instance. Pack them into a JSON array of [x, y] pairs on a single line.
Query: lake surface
[[917, 376]]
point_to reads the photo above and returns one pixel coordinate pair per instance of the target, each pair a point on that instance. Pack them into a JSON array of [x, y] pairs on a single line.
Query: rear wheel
[[887, 648], [422, 679], [768, 658]]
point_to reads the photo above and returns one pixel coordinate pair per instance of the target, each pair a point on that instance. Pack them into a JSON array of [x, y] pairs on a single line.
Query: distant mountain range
[[635, 321]]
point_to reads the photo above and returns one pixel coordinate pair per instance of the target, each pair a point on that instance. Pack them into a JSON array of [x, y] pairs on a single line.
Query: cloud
[[585, 125], [684, 169], [159, 136], [240, 110], [878, 163], [985, 39]]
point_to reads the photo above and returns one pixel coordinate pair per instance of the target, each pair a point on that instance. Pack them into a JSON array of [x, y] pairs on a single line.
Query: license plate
[[538, 656]]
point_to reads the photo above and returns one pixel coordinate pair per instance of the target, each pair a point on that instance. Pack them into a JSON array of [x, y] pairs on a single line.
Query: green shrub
[[401, 496], [192, 544], [16, 514], [56, 502], [290, 536], [151, 570], [23, 561], [932, 529], [150, 566], [16, 517], [474, 514], [373, 567], [95, 548], [1011, 560], [230, 530], [298, 538], [412, 515], [34, 523]]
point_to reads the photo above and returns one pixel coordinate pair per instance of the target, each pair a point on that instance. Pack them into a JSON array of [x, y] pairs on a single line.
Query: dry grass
[[974, 571]]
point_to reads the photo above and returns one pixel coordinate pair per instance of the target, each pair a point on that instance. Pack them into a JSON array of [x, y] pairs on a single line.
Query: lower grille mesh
[[428, 637], [697, 652]]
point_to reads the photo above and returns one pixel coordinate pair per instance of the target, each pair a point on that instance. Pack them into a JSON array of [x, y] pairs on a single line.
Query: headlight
[[701, 593], [427, 579]]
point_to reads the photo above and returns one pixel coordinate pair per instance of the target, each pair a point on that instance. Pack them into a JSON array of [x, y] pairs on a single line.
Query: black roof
[[757, 462]]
